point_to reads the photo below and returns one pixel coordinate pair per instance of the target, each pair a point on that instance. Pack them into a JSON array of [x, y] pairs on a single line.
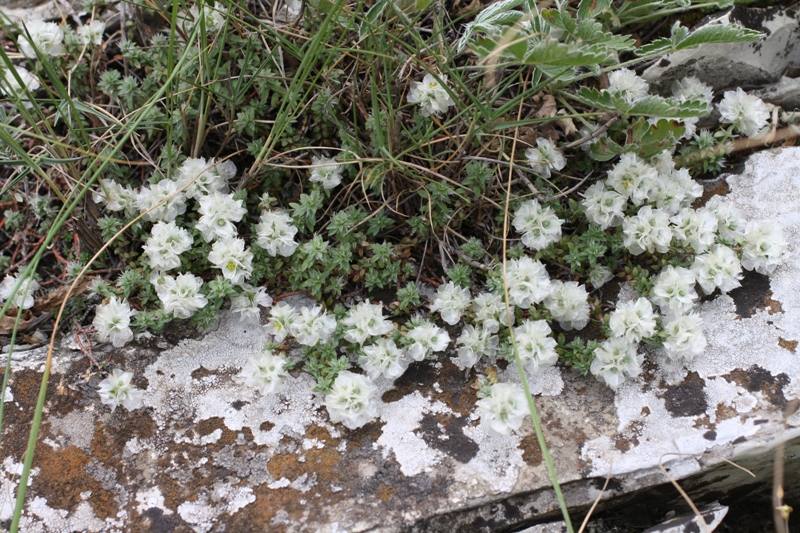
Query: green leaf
[[681, 39], [656, 106], [605, 149], [591, 8], [658, 47], [554, 53], [718, 34], [601, 100], [592, 32]]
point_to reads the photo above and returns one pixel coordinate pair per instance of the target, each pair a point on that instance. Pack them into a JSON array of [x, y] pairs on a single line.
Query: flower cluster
[[264, 372], [431, 95], [46, 37], [351, 400], [539, 225], [716, 236], [504, 409], [24, 296], [747, 113], [117, 390], [545, 156], [112, 321], [326, 172]]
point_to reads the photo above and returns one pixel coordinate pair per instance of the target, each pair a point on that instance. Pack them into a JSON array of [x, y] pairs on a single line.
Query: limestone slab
[[208, 454]]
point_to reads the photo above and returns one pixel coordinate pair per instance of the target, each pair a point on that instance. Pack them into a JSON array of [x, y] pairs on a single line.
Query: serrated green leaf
[[659, 137], [605, 149], [591, 8], [595, 98], [592, 32], [560, 19], [658, 47], [718, 34], [658, 107], [554, 53], [681, 39]]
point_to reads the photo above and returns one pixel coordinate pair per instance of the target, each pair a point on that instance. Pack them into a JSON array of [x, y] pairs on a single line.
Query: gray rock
[[690, 523], [746, 65], [785, 93]]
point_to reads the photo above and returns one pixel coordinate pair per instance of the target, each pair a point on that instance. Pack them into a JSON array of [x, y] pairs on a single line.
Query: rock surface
[[746, 65], [207, 454]]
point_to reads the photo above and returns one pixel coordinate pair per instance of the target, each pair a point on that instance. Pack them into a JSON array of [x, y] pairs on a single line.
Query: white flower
[[328, 172], [691, 88], [748, 113], [528, 282], [24, 296], [165, 244], [214, 17], [625, 84], [246, 303], [427, 337], [112, 322], [264, 371], [718, 267], [293, 8], [202, 178], [536, 348], [673, 291], [603, 207], [47, 37], [633, 321], [10, 86], [684, 337], [233, 259], [539, 226], [117, 197], [632, 178], [544, 157], [276, 233], [504, 410], [762, 247], [474, 343], [92, 33], [730, 220], [282, 317], [695, 228], [167, 191], [674, 190], [313, 326], [600, 275], [431, 95], [648, 230], [568, 304], [663, 163], [451, 301], [218, 212], [181, 296], [615, 358], [117, 390], [490, 311], [365, 320], [350, 400], [383, 358]]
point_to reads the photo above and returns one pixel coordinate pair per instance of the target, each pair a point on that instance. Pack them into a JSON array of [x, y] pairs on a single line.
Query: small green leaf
[[591, 8], [719, 34]]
